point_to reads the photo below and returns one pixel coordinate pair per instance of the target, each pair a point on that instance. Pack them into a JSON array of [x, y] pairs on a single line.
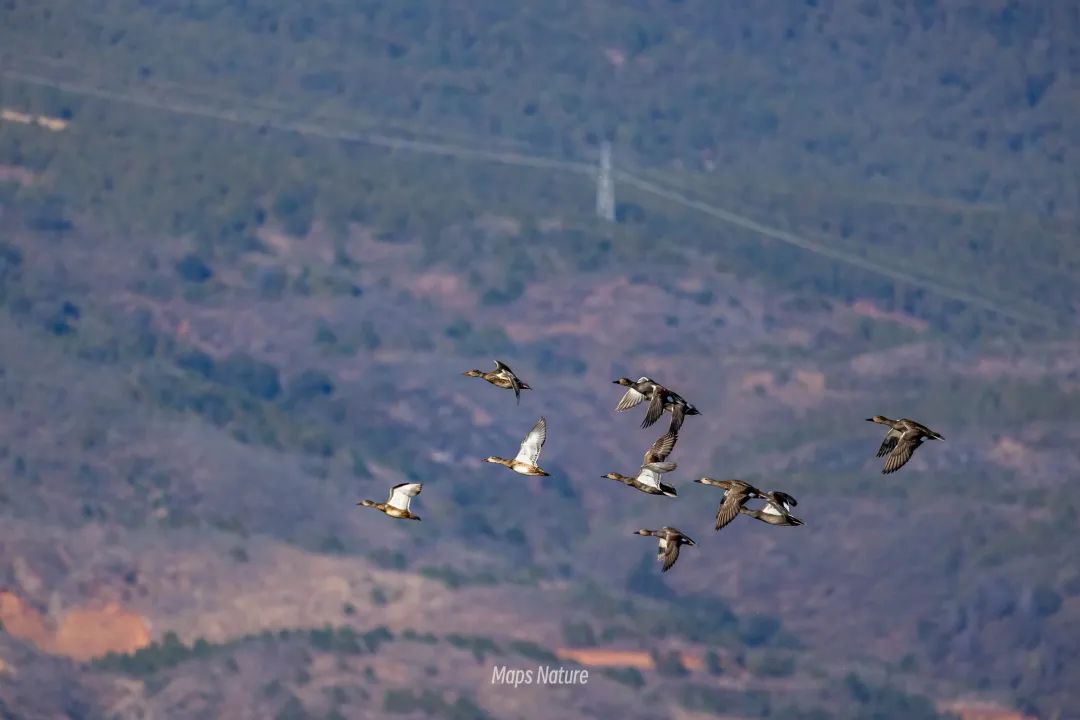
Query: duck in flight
[[653, 465], [397, 505], [900, 443], [502, 376], [776, 511], [660, 399], [525, 461], [670, 541]]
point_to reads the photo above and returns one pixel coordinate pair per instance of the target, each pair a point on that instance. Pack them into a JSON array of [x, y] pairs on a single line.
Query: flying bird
[[736, 493], [776, 511], [525, 461], [502, 376], [901, 441], [653, 465], [660, 399], [397, 505], [670, 541]]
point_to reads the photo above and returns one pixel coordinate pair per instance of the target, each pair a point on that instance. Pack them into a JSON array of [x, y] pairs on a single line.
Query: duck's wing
[[923, 429], [401, 495], [632, 398], [729, 508], [515, 384], [889, 442], [900, 454], [782, 499], [739, 487], [772, 509], [656, 408], [661, 448], [678, 414], [533, 442], [669, 550], [649, 477], [668, 490]]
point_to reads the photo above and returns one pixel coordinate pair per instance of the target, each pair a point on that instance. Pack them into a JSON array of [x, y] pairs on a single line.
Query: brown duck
[[776, 510], [397, 505], [525, 461], [670, 541], [660, 399], [900, 443], [653, 465], [503, 377]]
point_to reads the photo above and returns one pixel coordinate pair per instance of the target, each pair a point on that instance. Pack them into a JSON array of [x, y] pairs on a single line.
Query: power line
[[605, 188], [528, 160], [838, 255], [308, 128]]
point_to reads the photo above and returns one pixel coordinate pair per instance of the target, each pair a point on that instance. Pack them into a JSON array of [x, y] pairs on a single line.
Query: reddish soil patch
[[81, 634]]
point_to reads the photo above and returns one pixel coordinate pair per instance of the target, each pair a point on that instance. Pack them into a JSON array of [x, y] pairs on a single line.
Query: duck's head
[[472, 373], [623, 381], [366, 503], [495, 459], [706, 481], [612, 476], [878, 419], [643, 531]]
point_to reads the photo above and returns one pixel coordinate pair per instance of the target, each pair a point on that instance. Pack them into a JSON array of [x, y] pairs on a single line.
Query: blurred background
[[248, 247]]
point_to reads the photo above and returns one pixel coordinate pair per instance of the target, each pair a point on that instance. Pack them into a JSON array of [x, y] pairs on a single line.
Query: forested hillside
[[248, 248]]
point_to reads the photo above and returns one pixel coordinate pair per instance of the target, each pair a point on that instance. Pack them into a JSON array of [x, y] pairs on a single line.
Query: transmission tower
[[605, 186]]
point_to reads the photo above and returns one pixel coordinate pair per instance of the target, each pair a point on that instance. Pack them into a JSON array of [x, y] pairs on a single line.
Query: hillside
[[217, 336]]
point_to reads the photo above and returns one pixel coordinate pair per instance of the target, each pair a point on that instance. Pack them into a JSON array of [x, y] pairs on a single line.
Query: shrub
[[196, 361], [756, 630], [626, 676], [713, 663], [271, 282], [578, 634], [670, 664], [192, 269], [531, 650], [771, 664], [1045, 601], [243, 372]]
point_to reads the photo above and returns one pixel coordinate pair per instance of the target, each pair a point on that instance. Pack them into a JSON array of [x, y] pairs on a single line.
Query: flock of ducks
[[901, 441]]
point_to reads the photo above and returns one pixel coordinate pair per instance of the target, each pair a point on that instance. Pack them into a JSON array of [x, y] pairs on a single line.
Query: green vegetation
[[170, 652], [704, 698], [433, 705], [531, 650], [670, 663], [770, 663], [884, 702], [578, 634], [627, 676], [157, 656], [141, 255], [480, 646]]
